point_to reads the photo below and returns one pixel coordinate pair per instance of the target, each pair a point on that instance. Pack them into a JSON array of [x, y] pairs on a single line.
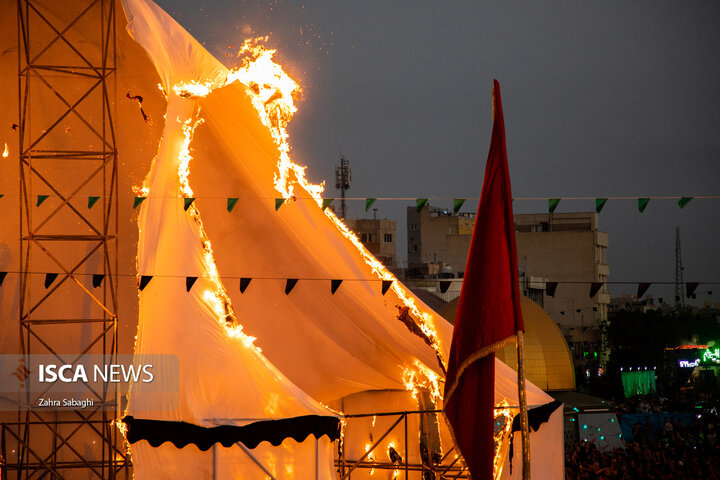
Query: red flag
[[488, 314]]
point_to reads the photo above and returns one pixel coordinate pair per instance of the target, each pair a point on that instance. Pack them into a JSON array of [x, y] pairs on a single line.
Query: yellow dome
[[548, 361]]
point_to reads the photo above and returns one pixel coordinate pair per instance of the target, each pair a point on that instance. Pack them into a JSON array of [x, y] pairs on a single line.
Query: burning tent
[[275, 348]]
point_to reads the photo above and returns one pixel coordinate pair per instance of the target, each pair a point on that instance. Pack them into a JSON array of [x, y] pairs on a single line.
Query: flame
[[500, 437], [6, 152], [422, 377], [370, 457], [192, 89], [272, 94], [216, 296]]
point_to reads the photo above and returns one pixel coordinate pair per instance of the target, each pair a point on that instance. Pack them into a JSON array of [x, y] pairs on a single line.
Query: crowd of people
[[672, 450]]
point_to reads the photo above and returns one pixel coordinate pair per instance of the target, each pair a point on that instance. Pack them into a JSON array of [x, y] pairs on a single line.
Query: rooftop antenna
[[343, 176], [679, 297]]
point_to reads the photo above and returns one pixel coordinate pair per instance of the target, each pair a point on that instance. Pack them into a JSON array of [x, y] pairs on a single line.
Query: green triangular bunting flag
[[327, 202], [138, 201], [279, 203], [420, 203], [92, 201], [552, 204], [684, 201], [457, 204], [231, 201], [41, 199], [187, 202], [369, 203], [642, 204], [599, 204]]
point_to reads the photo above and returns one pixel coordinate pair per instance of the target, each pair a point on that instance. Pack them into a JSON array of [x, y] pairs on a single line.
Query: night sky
[[601, 98]]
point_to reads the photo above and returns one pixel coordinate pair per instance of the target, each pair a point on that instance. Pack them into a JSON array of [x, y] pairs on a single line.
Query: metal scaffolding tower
[[343, 177], [679, 297], [68, 232]]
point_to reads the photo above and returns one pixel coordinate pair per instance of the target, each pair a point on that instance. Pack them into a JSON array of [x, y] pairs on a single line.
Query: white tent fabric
[[316, 346], [225, 379]]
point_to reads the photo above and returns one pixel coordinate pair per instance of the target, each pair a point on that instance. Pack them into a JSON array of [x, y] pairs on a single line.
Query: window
[[366, 237], [414, 248], [413, 226], [388, 238]]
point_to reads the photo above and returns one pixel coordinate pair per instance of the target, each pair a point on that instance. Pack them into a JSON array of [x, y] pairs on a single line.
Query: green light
[[712, 355], [584, 427], [602, 438]]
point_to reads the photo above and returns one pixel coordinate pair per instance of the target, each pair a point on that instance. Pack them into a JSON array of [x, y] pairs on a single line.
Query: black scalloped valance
[[180, 434]]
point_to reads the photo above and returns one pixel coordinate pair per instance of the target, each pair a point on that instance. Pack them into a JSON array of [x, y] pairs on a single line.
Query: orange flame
[[505, 416], [273, 94], [217, 297], [6, 152]]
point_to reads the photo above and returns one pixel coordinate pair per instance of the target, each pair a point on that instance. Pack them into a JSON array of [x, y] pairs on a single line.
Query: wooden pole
[[525, 434]]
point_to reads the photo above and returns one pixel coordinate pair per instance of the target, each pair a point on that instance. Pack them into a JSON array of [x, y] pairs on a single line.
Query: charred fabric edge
[[181, 434], [404, 317], [536, 417]]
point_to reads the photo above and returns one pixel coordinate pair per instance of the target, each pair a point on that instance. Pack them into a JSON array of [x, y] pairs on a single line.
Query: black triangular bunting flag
[[144, 280], [386, 285], [244, 283], [50, 278], [290, 284], [97, 279], [690, 288], [642, 288], [444, 285], [334, 285], [594, 288], [189, 282], [2, 277], [550, 288]]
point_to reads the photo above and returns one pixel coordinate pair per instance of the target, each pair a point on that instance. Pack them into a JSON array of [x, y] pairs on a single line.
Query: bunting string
[[420, 202]]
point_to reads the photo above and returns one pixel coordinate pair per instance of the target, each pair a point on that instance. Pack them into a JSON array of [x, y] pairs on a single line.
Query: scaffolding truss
[[66, 96], [442, 464]]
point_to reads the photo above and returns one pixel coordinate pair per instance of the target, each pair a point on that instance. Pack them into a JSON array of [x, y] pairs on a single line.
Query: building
[[567, 248], [378, 236], [437, 238]]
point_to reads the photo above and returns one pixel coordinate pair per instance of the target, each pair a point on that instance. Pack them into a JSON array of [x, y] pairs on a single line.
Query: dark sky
[[601, 98]]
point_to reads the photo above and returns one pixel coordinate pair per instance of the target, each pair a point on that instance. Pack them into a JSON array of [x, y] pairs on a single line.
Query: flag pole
[[524, 432]]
